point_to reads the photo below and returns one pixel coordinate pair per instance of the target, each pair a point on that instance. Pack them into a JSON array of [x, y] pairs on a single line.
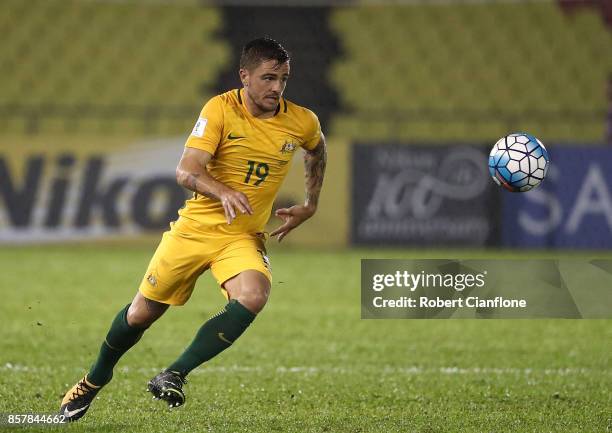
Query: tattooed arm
[[192, 174], [314, 171], [315, 161]]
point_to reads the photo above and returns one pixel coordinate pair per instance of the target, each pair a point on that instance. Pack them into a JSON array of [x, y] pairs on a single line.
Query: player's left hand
[[292, 217]]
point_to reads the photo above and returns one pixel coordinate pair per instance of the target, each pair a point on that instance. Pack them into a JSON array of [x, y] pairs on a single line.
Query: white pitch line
[[309, 370]]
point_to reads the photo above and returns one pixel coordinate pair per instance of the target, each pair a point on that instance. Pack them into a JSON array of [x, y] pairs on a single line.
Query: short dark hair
[[260, 50]]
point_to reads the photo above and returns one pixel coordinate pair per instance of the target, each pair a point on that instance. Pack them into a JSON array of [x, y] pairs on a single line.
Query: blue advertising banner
[[572, 208], [422, 195]]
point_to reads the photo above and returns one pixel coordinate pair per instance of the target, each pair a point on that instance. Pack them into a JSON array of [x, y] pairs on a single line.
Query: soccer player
[[234, 161]]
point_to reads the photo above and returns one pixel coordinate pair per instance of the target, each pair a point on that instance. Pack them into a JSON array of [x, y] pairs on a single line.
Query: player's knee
[[139, 318], [255, 300], [143, 311], [136, 319]]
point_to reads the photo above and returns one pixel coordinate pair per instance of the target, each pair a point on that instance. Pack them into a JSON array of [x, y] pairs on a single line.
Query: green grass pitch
[[308, 363]]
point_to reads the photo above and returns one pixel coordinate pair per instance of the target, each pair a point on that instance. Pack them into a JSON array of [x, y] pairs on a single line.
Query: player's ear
[[244, 76]]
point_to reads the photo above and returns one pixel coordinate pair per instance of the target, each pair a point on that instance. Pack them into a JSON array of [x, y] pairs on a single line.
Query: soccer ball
[[518, 162]]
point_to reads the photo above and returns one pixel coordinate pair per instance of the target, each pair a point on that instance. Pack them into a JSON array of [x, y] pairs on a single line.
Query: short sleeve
[[208, 130], [312, 133]]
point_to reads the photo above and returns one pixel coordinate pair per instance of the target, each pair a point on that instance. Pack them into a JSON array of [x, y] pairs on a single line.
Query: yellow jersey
[[250, 155]]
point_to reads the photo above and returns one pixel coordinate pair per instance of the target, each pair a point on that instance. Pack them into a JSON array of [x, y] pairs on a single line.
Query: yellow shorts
[[186, 251]]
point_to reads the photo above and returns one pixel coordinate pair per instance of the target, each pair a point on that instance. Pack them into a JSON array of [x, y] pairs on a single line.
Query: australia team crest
[[288, 147]]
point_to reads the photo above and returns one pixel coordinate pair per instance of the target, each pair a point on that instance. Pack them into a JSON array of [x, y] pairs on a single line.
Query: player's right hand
[[233, 200]]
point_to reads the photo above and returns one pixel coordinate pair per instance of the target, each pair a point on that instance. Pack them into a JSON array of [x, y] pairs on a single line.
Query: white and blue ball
[[518, 162]]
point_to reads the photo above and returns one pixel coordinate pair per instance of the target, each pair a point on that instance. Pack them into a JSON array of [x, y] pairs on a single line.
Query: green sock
[[214, 336], [119, 339]]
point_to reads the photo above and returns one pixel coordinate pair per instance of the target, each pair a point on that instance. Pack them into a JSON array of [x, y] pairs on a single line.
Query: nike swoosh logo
[[71, 413], [234, 137], [222, 338]]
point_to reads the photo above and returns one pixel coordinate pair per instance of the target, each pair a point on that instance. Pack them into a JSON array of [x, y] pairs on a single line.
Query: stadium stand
[[112, 67], [443, 71], [470, 71]]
